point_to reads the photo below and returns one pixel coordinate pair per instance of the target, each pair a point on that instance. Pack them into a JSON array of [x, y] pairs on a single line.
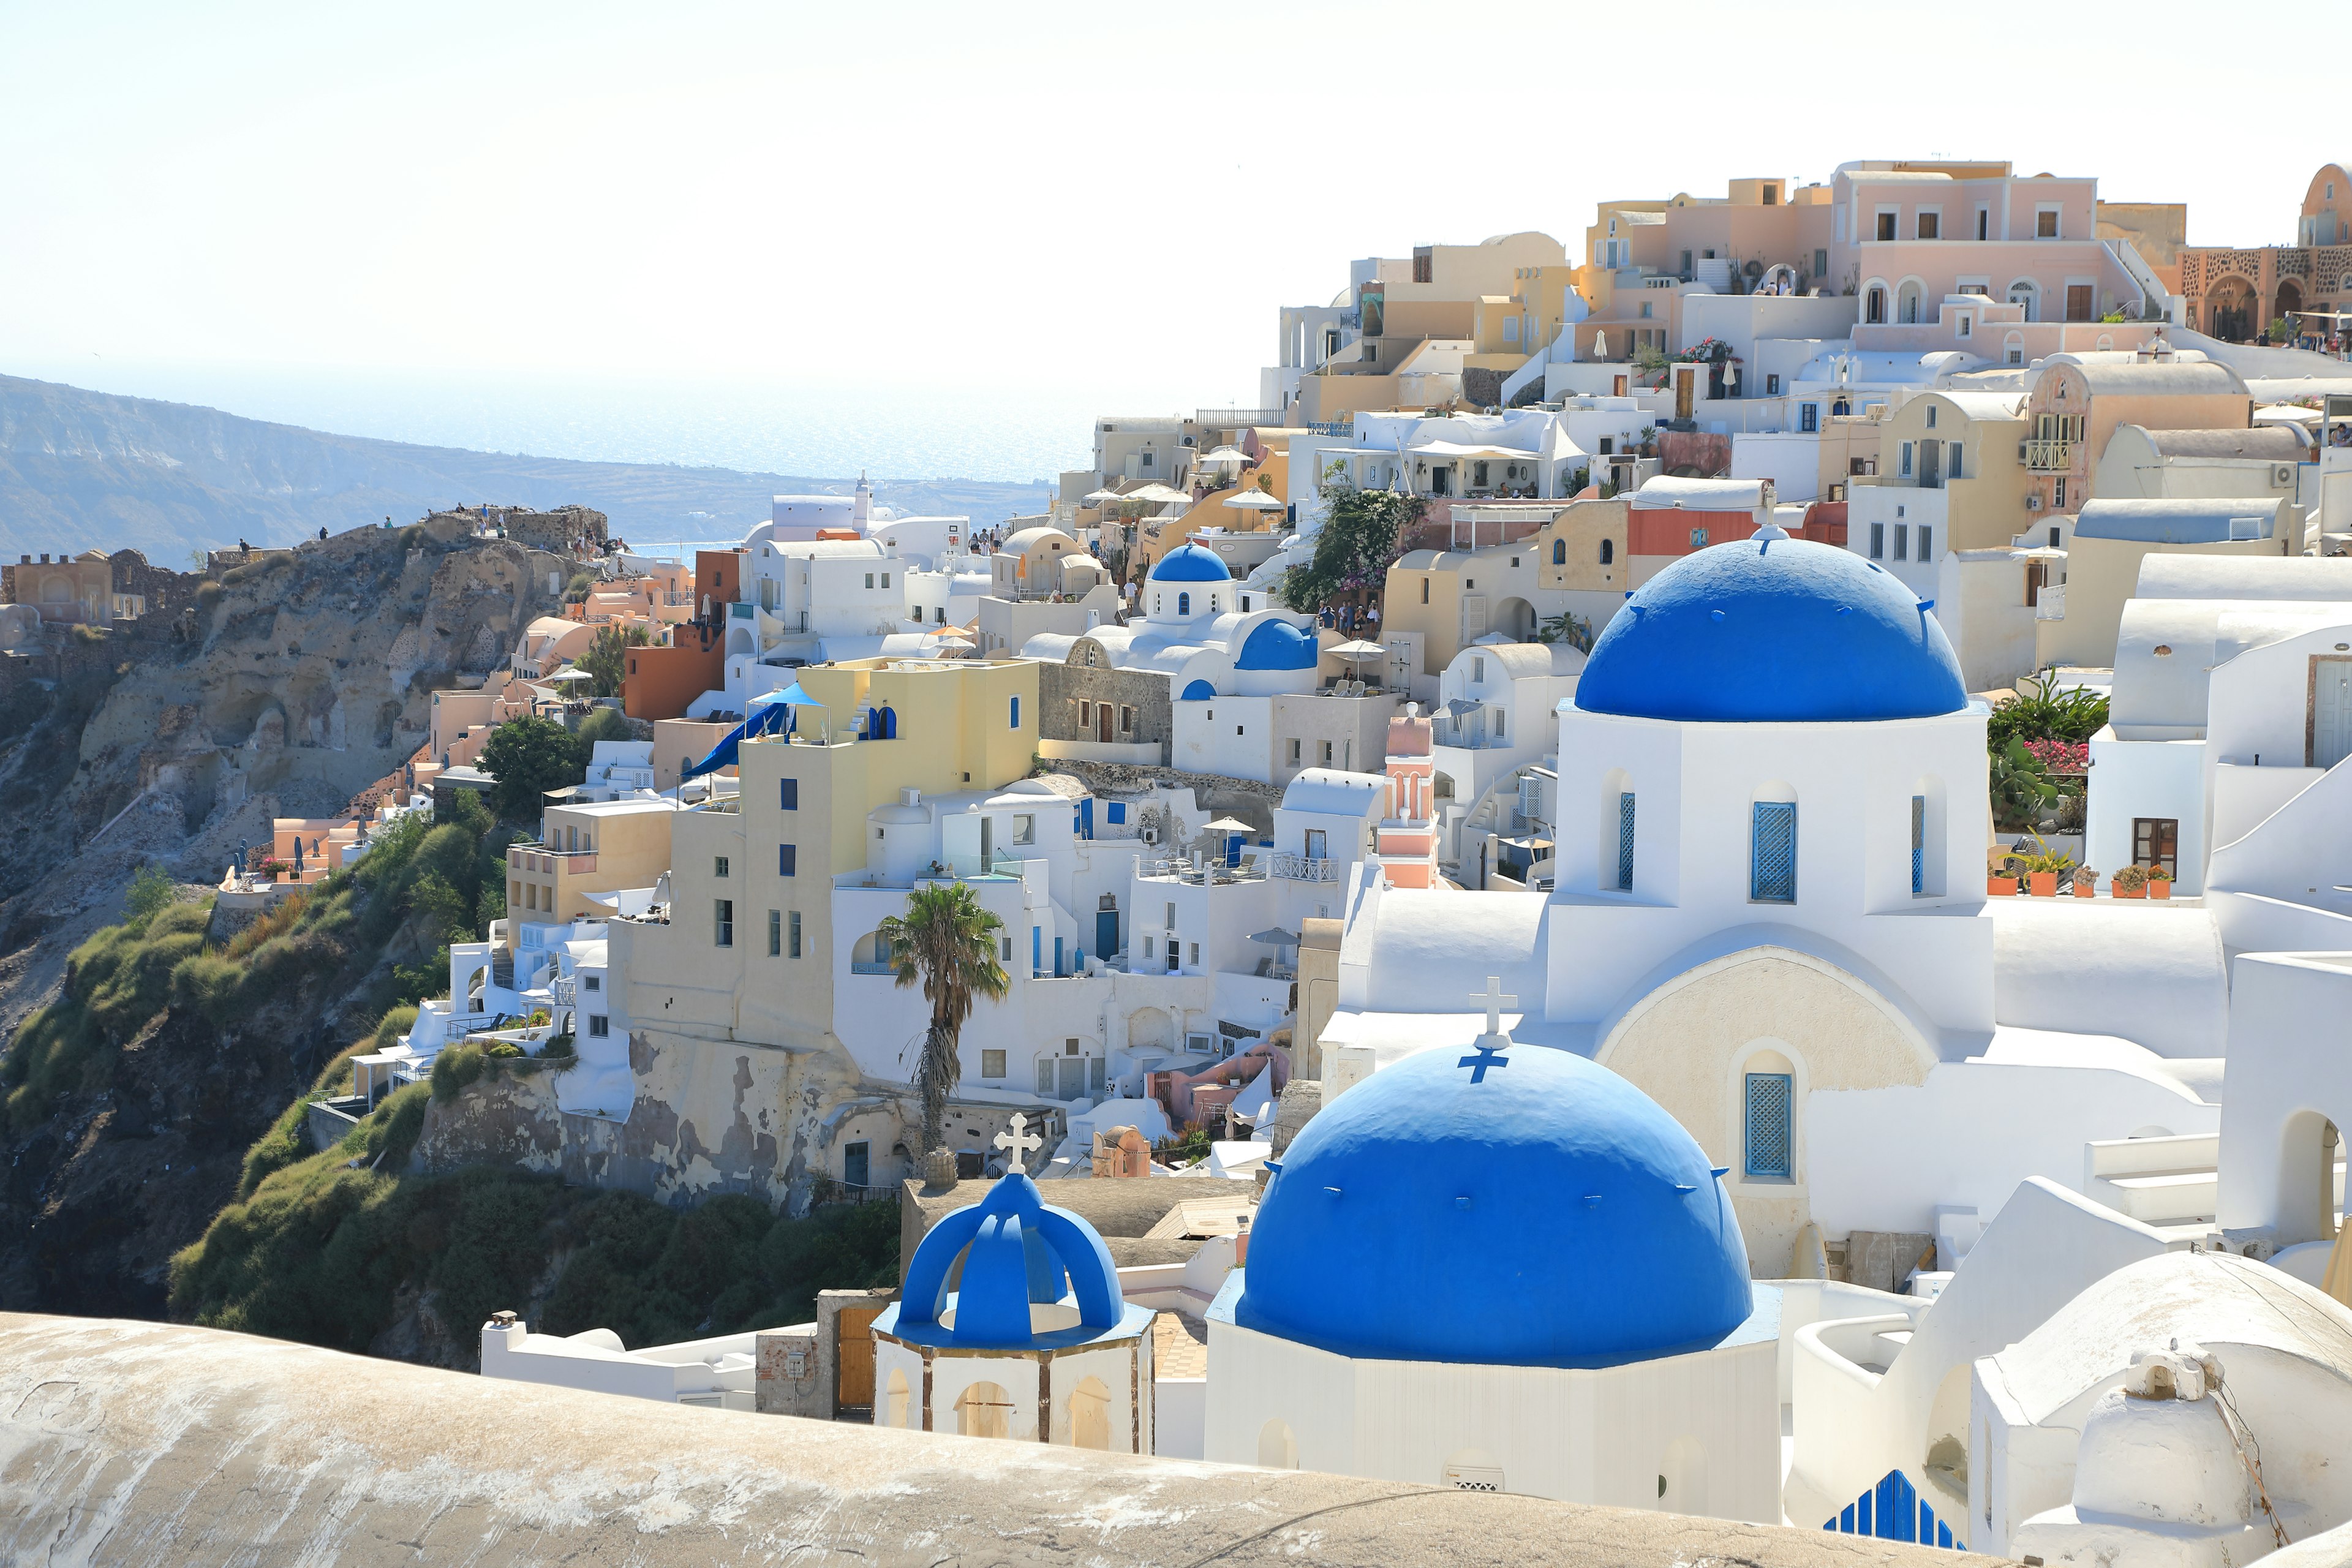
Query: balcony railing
[[2049, 457], [1305, 869], [1207, 872], [534, 858]]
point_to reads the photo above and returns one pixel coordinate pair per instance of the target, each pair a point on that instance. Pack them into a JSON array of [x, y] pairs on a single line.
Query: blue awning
[[792, 696], [722, 755]]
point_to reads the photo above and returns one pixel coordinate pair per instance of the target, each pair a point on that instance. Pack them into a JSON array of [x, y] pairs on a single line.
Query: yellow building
[[592, 847]]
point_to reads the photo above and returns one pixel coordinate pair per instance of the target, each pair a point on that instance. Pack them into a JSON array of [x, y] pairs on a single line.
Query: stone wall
[[1060, 687]]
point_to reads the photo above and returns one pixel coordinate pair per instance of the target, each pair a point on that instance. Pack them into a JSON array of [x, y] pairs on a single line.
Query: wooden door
[[2331, 710], [853, 1357], [2078, 301]]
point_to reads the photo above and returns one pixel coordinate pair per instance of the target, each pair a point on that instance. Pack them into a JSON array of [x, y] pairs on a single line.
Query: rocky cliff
[[293, 685]]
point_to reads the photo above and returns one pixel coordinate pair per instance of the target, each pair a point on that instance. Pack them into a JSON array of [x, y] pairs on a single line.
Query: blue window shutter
[[787, 860], [1036, 948], [1918, 844], [1016, 713], [1625, 840], [1767, 1142], [1118, 811], [788, 792], [1772, 876]]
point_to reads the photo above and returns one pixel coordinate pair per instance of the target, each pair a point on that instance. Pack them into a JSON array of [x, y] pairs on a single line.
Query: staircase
[[2170, 1183]]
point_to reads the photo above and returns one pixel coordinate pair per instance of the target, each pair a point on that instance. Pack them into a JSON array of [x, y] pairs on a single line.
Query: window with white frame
[[1772, 853], [1767, 1145]]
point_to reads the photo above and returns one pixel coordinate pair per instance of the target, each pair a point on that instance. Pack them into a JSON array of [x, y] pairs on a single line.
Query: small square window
[[992, 1064], [599, 1026], [789, 793], [2045, 225], [788, 857], [719, 865], [591, 983]]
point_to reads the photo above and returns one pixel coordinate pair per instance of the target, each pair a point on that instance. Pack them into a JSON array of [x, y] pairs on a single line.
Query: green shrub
[[396, 1021], [151, 893], [455, 1069], [208, 983], [501, 1051]]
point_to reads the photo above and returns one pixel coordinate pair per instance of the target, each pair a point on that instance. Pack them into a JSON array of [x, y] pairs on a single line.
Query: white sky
[[971, 200]]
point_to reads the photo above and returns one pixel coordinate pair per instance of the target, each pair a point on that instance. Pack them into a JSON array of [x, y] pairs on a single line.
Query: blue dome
[[1278, 645], [1023, 1253], [1536, 1211], [1199, 692], [1785, 631], [1191, 563]]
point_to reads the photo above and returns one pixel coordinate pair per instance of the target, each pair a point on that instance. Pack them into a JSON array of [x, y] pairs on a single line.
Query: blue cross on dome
[[1488, 1053]]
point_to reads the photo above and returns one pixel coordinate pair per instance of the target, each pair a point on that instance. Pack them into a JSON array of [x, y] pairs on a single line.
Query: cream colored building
[[2112, 538], [601, 846]]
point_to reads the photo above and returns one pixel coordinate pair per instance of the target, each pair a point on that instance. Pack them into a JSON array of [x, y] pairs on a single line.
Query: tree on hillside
[[946, 942], [606, 659], [1355, 548], [529, 757]]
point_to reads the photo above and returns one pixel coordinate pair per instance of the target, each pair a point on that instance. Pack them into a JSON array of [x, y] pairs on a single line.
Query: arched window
[[1559, 551], [1873, 306], [1089, 1414], [1183, 604], [1772, 848], [1608, 550], [1277, 1448], [896, 1401], [984, 1410]]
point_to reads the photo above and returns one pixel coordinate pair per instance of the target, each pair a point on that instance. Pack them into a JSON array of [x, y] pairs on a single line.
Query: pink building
[[1406, 838]]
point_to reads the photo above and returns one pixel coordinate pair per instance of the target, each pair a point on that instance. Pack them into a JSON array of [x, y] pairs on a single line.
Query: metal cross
[[1017, 1141]]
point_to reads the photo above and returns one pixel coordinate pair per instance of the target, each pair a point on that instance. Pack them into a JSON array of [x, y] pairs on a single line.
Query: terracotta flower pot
[[2085, 887], [2159, 889], [2000, 887], [2042, 884], [2131, 892]]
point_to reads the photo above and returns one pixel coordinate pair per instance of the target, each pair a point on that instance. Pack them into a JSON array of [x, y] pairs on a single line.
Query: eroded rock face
[[302, 680]]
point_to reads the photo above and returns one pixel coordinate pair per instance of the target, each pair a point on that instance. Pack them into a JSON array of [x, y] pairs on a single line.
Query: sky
[[1005, 210]]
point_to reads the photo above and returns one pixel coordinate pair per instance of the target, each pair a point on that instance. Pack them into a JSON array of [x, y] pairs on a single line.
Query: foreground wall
[[143, 1443]]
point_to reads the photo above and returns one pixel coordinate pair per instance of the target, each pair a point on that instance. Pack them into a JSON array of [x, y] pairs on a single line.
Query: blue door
[[1106, 932], [855, 1165]]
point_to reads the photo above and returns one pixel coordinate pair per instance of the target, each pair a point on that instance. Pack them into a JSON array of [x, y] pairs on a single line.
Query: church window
[[1559, 552], [1772, 872], [1183, 604], [1625, 840], [1608, 550], [1768, 1141], [1918, 844]]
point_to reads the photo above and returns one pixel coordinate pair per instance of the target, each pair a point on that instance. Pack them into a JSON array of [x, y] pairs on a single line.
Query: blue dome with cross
[[1191, 563], [1033, 1274], [1772, 629], [1498, 1204]]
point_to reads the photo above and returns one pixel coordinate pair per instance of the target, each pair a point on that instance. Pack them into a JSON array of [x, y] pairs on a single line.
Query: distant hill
[[82, 470]]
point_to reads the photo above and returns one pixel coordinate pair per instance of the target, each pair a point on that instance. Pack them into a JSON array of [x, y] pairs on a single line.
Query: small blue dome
[[1278, 645], [1199, 692], [1191, 563], [1023, 1252], [1785, 631], [1537, 1210]]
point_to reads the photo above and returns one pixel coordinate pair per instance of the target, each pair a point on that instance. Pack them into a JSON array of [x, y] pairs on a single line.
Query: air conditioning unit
[[2034, 502], [2282, 475], [1151, 835]]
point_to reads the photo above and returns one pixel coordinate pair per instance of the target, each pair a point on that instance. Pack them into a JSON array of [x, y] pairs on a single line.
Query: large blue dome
[[1537, 1210], [1784, 630], [1191, 563], [1278, 645]]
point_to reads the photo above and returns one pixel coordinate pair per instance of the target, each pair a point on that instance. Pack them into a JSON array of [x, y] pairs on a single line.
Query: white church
[[1769, 916]]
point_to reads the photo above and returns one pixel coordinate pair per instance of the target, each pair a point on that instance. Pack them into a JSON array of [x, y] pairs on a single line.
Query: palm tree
[[946, 942]]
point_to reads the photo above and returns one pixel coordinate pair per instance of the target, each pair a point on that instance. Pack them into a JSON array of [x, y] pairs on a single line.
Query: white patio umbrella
[[1226, 454], [1359, 649], [1100, 498], [570, 675], [1156, 495], [1257, 500]]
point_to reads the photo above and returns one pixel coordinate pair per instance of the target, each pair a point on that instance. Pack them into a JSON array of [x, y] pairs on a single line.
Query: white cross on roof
[[1495, 1000], [1018, 1140]]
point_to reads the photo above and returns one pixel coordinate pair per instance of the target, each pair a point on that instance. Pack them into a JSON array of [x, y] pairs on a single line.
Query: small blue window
[[1118, 811], [1768, 1125], [1772, 876], [1918, 844], [1183, 604], [1016, 713], [788, 857], [1625, 841], [789, 793]]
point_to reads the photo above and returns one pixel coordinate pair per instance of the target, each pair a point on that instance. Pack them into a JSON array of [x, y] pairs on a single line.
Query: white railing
[[1305, 869]]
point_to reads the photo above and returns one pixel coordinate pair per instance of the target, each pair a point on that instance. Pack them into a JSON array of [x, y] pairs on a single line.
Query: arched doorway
[[2229, 309], [1516, 619], [984, 1410], [2289, 300], [2025, 291], [1090, 1415], [1874, 305], [894, 1399], [1909, 302]]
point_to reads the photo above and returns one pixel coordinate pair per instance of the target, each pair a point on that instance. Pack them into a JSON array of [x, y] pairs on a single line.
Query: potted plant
[[2131, 882], [2086, 882], [2000, 882], [2042, 868], [2159, 882]]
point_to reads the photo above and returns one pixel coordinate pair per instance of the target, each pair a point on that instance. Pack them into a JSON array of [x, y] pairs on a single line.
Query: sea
[[784, 425]]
